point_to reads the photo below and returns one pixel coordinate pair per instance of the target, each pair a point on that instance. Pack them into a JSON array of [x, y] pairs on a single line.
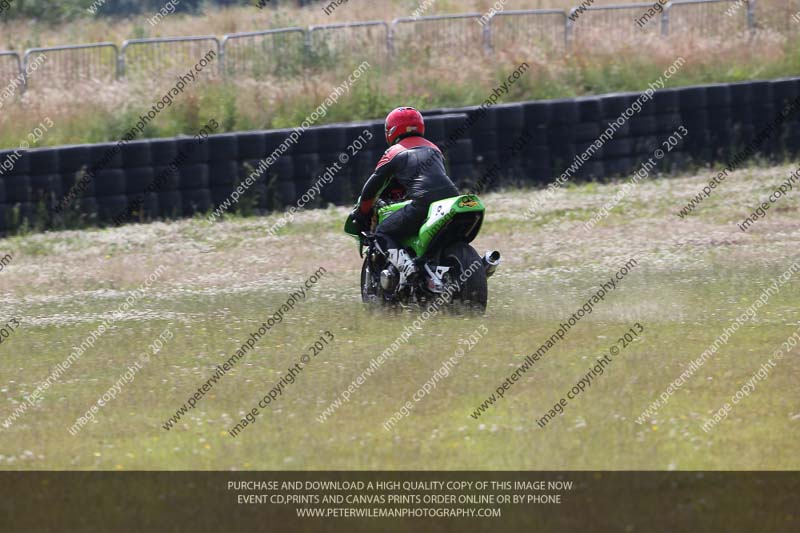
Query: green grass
[[223, 280]]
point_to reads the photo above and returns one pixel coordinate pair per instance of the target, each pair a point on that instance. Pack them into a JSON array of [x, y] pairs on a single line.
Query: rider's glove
[[362, 220]]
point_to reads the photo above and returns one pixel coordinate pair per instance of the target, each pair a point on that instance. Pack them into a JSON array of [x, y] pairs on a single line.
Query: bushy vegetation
[[57, 11]]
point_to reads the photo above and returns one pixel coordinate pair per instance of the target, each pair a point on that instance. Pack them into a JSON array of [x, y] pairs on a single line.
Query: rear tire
[[473, 292]]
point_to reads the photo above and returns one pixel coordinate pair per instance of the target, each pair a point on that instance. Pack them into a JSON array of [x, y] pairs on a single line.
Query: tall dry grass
[[19, 36], [437, 77]]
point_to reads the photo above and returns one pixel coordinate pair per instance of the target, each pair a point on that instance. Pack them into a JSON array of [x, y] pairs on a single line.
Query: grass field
[[222, 281]]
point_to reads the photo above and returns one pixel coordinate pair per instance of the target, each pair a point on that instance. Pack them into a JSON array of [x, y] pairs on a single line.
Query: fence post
[[487, 34], [122, 59], [568, 28], [390, 39], [751, 14], [307, 45], [18, 63], [665, 20], [24, 73], [222, 56], [120, 65], [24, 69]]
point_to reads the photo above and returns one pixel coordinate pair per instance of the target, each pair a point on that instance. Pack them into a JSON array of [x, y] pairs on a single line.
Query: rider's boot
[[404, 264]]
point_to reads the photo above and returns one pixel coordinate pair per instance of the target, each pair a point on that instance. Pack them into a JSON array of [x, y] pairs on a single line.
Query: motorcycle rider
[[416, 164]]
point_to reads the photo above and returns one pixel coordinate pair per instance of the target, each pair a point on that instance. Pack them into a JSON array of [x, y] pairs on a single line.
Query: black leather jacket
[[417, 165]]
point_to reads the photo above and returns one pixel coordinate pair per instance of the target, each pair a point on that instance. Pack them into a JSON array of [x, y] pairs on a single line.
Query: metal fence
[[528, 29], [783, 18], [608, 23], [709, 17], [10, 68], [61, 65], [348, 44], [440, 34], [259, 53], [289, 51], [167, 55]]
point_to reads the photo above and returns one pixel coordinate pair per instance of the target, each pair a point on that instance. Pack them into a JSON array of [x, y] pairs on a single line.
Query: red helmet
[[402, 122]]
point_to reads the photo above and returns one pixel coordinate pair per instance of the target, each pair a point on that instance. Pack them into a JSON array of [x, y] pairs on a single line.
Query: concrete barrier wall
[[528, 143]]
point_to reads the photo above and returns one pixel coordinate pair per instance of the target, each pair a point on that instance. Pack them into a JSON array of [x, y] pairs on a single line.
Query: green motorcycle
[[449, 268]]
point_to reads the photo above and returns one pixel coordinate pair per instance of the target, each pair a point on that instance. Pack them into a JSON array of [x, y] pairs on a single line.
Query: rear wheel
[[467, 274]]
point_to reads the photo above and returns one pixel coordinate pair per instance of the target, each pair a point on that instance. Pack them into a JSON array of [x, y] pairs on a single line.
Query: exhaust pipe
[[490, 262]]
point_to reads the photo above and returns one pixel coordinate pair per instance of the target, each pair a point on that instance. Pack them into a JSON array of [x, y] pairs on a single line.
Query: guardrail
[[287, 51], [146, 56], [351, 42], [71, 63], [10, 68], [262, 52], [693, 16], [600, 21], [444, 30], [536, 26]]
